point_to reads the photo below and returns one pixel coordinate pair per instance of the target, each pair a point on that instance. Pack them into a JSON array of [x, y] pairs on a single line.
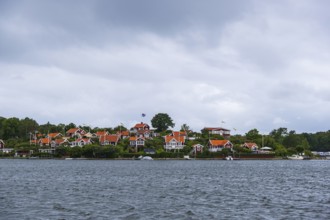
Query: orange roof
[[176, 136], [140, 125], [135, 138], [72, 130], [110, 138], [125, 133], [101, 133], [53, 135], [250, 145], [44, 140], [218, 142]]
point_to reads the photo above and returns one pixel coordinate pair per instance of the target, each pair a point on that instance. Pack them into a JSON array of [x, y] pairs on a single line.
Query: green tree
[[162, 122], [10, 128], [253, 135]]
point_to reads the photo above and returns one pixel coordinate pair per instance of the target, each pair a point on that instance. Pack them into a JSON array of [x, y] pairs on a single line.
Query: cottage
[[218, 145], [44, 142], [218, 130], [137, 141], [54, 135], [81, 142], [250, 146], [75, 132], [175, 141], [142, 130], [197, 148], [109, 139]]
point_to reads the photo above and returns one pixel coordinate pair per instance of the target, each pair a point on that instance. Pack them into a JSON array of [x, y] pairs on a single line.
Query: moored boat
[[295, 157]]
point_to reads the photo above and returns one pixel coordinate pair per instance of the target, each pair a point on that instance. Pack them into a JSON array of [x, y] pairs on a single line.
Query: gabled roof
[[219, 142], [141, 125], [101, 133], [54, 135], [44, 140], [60, 141], [250, 145], [124, 133], [136, 138], [176, 135], [110, 138], [86, 140], [72, 130]]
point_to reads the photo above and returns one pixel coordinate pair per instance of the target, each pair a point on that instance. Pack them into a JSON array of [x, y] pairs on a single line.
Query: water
[[168, 189]]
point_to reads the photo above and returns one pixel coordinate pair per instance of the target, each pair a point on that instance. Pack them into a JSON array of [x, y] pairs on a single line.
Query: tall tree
[[162, 122]]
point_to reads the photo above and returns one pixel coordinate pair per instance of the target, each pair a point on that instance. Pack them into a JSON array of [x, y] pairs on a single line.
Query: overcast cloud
[[249, 63]]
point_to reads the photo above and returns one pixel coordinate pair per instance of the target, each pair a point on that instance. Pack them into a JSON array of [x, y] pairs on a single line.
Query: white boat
[[186, 157], [144, 158], [295, 157], [229, 158]]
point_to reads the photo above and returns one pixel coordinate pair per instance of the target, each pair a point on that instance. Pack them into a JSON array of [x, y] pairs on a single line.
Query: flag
[[143, 115]]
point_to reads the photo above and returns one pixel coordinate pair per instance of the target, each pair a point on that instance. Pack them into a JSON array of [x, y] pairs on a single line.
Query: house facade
[[218, 130], [218, 145], [175, 141], [75, 132], [142, 130], [250, 146], [81, 142], [197, 148], [110, 139], [136, 142]]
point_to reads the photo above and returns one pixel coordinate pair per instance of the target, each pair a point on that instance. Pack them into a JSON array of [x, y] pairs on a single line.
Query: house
[[44, 142], [218, 145], [2, 144], [75, 132], [136, 142], [101, 133], [111, 139], [251, 146], [175, 141], [123, 134], [54, 135], [197, 148], [142, 130], [218, 130], [81, 142], [59, 142]]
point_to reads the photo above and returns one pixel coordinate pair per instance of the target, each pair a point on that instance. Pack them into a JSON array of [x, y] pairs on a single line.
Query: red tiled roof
[[53, 135], [110, 138], [101, 133], [140, 125], [44, 141], [72, 130], [218, 142], [250, 145]]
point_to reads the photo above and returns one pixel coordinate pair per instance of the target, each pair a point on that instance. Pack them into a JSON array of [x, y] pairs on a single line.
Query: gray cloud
[[252, 64]]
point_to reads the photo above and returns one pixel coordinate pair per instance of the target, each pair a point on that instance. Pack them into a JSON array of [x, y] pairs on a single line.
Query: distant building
[[218, 145], [218, 130]]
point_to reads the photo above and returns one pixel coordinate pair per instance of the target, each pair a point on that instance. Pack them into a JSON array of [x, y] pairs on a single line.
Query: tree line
[[15, 131]]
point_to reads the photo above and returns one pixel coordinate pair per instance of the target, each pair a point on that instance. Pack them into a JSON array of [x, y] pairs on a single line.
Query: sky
[[237, 64]]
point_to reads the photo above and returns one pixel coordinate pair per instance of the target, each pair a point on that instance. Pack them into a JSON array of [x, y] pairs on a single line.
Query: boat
[[144, 158], [295, 157], [186, 157], [229, 158]]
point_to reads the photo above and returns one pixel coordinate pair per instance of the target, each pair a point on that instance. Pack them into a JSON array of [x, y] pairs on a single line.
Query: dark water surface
[[169, 189]]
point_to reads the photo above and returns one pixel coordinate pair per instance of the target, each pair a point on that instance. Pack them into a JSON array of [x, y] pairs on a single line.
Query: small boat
[[144, 158], [229, 158], [295, 157], [186, 157]]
